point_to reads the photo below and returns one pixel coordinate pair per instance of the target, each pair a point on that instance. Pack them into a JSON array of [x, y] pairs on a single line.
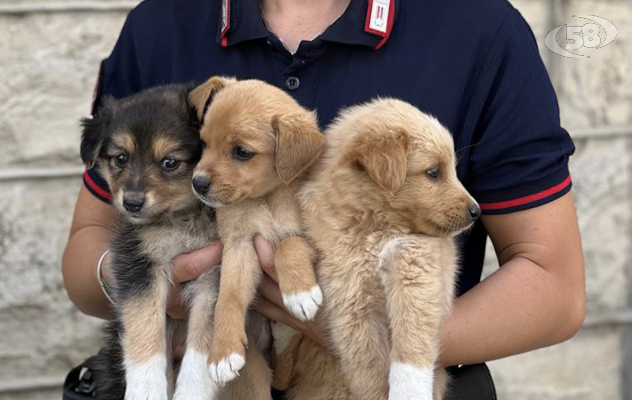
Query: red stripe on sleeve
[[95, 187], [527, 199]]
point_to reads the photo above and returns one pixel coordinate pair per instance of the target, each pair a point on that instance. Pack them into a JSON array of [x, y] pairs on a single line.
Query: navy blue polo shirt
[[474, 64]]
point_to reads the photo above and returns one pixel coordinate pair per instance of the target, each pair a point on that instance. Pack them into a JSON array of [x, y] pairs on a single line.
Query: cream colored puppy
[[382, 208], [258, 143]]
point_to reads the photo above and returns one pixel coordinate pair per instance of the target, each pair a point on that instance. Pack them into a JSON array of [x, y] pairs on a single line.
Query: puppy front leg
[[294, 262], [143, 317], [413, 273], [240, 276], [194, 381], [359, 337]]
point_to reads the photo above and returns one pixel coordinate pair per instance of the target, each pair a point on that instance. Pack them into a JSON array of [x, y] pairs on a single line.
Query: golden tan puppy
[[258, 142], [382, 209]]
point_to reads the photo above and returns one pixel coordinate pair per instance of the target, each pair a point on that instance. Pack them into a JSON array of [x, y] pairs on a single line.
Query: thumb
[[189, 266], [265, 252]]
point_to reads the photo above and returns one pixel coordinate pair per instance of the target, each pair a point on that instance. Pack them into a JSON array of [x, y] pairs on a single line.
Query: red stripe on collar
[[379, 19], [225, 21]]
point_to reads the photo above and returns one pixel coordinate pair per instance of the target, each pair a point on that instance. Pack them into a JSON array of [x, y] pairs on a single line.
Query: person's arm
[[90, 235], [535, 299]]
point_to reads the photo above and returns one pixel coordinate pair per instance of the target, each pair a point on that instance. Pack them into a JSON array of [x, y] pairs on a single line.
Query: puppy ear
[[299, 142], [384, 158], [94, 130], [201, 96]]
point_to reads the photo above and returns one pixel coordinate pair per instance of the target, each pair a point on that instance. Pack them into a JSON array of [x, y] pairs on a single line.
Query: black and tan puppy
[[147, 146]]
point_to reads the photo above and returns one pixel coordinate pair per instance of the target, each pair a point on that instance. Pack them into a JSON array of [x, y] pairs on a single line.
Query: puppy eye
[[120, 160], [433, 173], [241, 154], [169, 164]]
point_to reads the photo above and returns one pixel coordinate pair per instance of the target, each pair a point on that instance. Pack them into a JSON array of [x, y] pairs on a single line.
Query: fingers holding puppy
[[271, 305], [190, 266], [265, 251], [294, 261], [291, 267], [187, 267]]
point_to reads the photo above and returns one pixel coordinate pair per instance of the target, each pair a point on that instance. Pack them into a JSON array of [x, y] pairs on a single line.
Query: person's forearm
[[79, 266], [520, 307]]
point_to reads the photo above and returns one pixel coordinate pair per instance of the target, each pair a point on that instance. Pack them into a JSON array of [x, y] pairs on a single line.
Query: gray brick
[[580, 369], [51, 63], [597, 91]]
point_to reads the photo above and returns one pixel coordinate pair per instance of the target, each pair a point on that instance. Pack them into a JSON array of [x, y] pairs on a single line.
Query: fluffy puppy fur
[[382, 209], [259, 142], [147, 146]]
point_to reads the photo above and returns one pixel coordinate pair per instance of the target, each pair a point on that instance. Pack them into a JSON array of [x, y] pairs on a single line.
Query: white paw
[[304, 305], [194, 381], [227, 369], [146, 381], [283, 335], [407, 382]]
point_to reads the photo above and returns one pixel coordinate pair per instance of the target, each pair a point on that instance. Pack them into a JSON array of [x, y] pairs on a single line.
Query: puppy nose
[[475, 211], [133, 203], [201, 184]]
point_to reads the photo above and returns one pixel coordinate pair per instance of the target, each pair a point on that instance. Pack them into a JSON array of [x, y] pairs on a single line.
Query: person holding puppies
[[474, 65]]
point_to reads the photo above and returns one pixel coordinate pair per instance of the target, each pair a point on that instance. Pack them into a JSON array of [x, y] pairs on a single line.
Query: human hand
[[270, 303], [187, 267]]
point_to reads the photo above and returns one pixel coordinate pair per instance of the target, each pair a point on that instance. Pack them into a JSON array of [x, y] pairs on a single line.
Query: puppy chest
[[257, 217], [354, 265], [350, 270], [163, 244]]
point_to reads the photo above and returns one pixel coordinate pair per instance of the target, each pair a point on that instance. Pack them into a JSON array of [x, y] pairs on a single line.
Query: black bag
[[469, 382], [80, 383]]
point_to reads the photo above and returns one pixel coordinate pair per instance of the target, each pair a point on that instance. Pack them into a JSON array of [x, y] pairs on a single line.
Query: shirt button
[[292, 83]]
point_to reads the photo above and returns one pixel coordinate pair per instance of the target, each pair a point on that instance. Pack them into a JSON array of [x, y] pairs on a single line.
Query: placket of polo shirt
[[363, 23], [298, 77]]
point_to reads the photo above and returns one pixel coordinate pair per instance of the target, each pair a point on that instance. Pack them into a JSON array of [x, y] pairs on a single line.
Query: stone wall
[[595, 98], [50, 54], [48, 66]]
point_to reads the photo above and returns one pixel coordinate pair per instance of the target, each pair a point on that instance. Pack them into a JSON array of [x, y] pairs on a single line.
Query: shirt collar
[[240, 21]]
